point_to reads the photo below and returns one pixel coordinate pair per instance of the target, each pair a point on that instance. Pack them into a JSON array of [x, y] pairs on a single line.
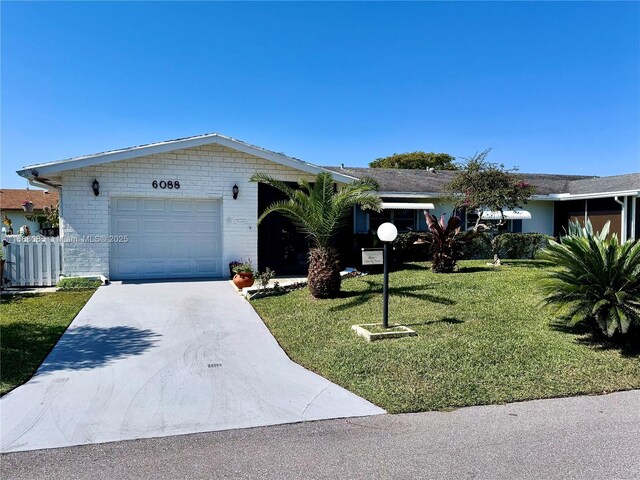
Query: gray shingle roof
[[616, 183], [423, 181]]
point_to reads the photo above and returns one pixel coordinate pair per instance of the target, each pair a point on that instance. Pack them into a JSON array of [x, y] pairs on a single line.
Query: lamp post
[[387, 233]]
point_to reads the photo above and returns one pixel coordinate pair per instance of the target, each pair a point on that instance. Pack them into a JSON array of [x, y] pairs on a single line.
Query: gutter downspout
[[623, 227], [634, 201]]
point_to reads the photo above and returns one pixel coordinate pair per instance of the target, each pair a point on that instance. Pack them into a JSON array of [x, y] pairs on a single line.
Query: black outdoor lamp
[[96, 187], [235, 190], [387, 233]]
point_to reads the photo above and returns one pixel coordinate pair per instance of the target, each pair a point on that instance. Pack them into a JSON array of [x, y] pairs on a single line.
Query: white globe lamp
[[387, 232]]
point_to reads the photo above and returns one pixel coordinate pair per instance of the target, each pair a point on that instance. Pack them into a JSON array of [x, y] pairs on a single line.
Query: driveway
[[166, 358]]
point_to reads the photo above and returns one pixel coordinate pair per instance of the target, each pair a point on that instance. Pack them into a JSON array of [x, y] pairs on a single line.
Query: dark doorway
[[280, 246]]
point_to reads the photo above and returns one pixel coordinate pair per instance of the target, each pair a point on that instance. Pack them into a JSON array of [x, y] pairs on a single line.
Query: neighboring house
[[11, 201], [185, 208], [558, 199]]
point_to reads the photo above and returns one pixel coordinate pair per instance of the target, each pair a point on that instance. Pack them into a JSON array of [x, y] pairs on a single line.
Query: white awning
[[516, 214], [407, 206]]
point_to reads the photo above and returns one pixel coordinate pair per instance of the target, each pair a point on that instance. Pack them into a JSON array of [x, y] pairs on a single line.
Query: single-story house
[[185, 208], [11, 206], [558, 199]]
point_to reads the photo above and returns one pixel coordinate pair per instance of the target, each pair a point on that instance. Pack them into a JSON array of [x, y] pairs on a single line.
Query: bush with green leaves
[[478, 248], [72, 283], [597, 280], [521, 245], [405, 249]]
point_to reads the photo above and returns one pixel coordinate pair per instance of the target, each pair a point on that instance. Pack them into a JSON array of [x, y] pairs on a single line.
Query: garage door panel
[[205, 268], [153, 268], [206, 227], [180, 205], [154, 226], [151, 205], [124, 251], [126, 225], [125, 205], [206, 207], [153, 250]]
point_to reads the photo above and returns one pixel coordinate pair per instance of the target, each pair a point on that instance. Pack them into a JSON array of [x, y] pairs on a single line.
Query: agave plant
[[319, 209], [446, 242], [597, 279]]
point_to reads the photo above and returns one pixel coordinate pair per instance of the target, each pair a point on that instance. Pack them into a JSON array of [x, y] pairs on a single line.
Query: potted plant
[[233, 264], [27, 206], [243, 275]]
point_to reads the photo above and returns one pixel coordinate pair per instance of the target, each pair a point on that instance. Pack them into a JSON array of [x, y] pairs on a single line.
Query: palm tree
[[597, 279], [319, 209]]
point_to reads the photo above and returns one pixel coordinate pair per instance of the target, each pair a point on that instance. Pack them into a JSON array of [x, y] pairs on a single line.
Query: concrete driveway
[[167, 358]]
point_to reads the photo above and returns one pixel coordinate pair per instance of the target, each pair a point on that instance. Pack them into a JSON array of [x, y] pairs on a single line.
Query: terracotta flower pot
[[243, 279]]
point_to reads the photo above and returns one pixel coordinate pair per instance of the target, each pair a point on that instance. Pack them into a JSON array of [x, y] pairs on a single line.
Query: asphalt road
[[573, 438]]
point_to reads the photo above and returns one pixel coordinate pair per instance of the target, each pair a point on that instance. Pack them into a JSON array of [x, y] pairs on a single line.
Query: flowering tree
[[480, 185]]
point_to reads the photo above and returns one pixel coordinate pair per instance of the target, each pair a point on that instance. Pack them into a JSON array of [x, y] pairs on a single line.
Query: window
[[404, 220], [514, 226]]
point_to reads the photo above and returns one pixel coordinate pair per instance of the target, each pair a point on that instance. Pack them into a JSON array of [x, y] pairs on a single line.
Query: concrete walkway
[[157, 359], [565, 438]]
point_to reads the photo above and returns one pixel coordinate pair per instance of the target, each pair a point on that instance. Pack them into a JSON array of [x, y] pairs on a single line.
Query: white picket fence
[[32, 261]]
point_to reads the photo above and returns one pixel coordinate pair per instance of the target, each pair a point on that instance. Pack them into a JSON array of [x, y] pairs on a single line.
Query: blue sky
[[551, 87]]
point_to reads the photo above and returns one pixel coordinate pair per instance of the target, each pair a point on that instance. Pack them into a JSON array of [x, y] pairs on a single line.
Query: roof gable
[[46, 169]]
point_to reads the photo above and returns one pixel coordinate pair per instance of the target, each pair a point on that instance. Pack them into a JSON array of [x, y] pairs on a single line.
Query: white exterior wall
[[18, 219], [541, 217], [209, 171]]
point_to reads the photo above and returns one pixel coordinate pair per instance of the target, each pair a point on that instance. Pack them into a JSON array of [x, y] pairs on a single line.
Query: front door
[[280, 246]]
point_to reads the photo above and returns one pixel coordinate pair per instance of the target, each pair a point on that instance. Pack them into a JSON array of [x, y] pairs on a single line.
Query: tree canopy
[[416, 160], [483, 185]]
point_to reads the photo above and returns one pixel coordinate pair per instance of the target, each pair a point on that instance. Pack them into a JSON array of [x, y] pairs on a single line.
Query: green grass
[[483, 338], [69, 283], [30, 325]]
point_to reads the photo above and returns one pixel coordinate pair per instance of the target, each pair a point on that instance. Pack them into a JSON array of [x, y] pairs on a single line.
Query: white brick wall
[[208, 171]]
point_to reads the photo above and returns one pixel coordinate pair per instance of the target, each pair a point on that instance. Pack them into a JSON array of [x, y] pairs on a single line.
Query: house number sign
[[170, 184]]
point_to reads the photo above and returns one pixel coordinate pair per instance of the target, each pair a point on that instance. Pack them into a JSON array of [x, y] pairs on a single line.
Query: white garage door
[[166, 238]]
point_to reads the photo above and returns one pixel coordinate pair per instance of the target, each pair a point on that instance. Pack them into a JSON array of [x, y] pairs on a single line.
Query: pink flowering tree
[[479, 185]]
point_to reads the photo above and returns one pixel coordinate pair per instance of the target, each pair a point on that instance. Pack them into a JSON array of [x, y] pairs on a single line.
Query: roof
[[397, 180], [614, 183], [42, 171], [11, 199]]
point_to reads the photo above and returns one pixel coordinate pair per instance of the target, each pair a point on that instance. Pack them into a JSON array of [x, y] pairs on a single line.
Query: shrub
[[598, 280], [479, 247], [521, 245], [446, 242], [69, 283], [405, 250]]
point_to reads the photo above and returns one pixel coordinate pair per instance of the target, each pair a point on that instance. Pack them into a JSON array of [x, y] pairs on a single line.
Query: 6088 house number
[[170, 184]]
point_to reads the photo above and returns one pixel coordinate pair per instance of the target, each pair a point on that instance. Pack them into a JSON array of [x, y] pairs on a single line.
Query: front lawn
[[483, 338], [30, 325]]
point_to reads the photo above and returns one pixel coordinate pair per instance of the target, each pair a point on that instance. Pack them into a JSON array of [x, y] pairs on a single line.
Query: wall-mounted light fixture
[[96, 187], [235, 190]]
